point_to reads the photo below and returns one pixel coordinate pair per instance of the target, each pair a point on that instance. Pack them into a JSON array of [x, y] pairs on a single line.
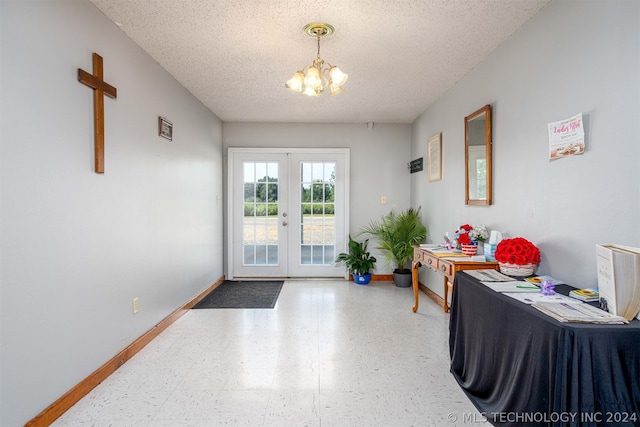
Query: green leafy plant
[[358, 261], [397, 234]]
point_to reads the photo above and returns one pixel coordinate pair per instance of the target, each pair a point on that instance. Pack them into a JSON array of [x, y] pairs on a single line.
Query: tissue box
[[490, 251]]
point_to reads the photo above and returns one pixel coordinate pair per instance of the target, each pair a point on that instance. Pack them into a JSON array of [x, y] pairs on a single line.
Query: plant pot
[[402, 278], [469, 250], [362, 279]]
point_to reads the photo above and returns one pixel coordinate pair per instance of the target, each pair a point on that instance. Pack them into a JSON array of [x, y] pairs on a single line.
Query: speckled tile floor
[[331, 353]]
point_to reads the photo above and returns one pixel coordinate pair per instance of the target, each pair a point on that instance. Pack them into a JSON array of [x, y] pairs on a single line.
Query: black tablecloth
[[521, 367]]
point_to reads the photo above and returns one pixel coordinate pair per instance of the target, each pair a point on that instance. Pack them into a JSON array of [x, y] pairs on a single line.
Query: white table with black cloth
[[521, 367]]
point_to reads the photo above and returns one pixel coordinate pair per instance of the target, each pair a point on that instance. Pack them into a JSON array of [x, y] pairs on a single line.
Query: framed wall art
[[434, 157], [165, 128]]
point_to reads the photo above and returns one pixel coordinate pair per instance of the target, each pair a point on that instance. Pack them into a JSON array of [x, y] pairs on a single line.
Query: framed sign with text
[[165, 128]]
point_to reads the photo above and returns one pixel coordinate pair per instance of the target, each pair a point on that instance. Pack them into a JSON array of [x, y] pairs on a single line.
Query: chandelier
[[314, 79]]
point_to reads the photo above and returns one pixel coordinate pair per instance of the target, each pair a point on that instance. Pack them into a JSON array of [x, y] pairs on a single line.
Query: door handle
[[285, 223]]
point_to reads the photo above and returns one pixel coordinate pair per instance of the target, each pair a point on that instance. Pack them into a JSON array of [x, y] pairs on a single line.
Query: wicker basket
[[517, 270]]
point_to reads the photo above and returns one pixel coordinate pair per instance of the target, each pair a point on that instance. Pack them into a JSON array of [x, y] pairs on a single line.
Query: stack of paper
[[585, 294], [539, 279], [578, 312], [447, 253], [513, 286], [531, 298], [501, 283], [489, 275]]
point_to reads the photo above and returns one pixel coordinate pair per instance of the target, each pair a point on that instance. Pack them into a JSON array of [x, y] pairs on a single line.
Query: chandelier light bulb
[[309, 91], [296, 82], [335, 90], [338, 78], [312, 79]]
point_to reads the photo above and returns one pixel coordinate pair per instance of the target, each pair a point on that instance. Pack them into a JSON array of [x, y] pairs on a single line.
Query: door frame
[[232, 152]]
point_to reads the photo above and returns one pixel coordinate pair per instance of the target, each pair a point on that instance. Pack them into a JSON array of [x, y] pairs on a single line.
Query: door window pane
[[260, 220], [317, 232]]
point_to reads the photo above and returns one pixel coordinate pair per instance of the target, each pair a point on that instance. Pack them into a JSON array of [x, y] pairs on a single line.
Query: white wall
[[573, 57], [379, 160], [77, 247]]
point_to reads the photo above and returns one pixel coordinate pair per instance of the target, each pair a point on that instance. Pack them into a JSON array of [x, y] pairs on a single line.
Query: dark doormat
[[243, 294]]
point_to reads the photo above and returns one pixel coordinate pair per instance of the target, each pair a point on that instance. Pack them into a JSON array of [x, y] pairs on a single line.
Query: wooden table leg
[[414, 281], [445, 305]]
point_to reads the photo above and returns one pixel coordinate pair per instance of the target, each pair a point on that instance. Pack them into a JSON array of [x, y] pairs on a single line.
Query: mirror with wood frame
[[477, 151]]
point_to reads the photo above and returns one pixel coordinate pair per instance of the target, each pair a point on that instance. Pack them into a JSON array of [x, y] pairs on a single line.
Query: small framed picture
[[165, 128], [434, 156]]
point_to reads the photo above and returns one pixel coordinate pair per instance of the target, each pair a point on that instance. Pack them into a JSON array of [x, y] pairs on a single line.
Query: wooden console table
[[445, 266]]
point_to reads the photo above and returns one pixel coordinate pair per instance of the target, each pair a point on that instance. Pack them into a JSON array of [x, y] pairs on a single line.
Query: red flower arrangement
[[517, 251], [462, 234], [464, 239]]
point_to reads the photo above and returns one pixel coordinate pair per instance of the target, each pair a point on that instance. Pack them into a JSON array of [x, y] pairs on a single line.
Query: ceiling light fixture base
[[318, 29]]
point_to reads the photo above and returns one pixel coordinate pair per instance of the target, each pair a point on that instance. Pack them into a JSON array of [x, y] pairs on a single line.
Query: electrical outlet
[[135, 305], [383, 200]]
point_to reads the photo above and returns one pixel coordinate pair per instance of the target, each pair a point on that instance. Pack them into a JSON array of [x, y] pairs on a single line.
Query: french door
[[288, 212]]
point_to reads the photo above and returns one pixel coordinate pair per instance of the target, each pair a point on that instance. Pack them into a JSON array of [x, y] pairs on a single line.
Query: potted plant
[[397, 234], [358, 261]]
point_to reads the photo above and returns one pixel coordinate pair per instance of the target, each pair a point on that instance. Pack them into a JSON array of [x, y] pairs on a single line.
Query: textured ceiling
[[401, 55]]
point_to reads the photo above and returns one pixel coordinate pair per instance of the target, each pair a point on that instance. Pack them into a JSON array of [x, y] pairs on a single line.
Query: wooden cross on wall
[[100, 88]]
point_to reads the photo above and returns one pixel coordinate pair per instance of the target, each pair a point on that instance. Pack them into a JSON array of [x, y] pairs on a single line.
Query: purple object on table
[[547, 288]]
